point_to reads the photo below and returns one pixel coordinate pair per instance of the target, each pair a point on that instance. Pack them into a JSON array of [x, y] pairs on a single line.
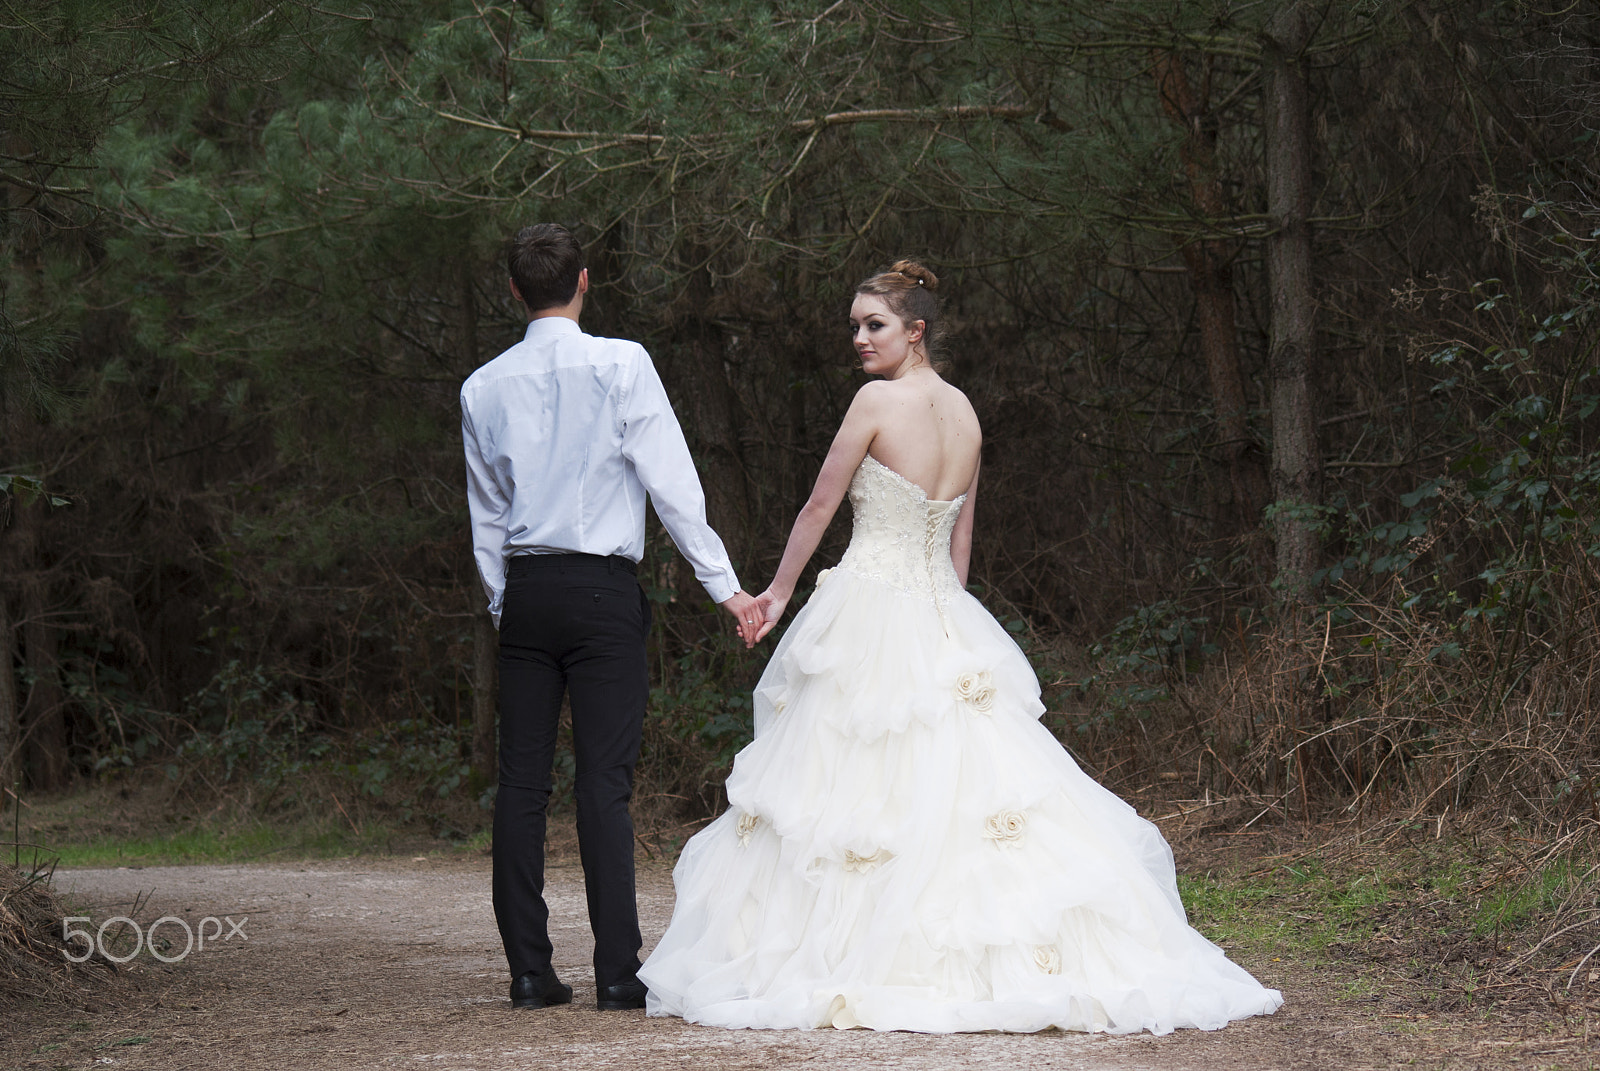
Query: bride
[[906, 847]]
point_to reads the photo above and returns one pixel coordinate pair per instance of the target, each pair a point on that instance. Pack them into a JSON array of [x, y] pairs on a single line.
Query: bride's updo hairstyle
[[908, 289]]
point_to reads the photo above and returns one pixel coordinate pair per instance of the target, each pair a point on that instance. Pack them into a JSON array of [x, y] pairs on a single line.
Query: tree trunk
[[1209, 264], [469, 319], [485, 695], [485, 639], [43, 718], [707, 405], [1296, 460], [9, 736]]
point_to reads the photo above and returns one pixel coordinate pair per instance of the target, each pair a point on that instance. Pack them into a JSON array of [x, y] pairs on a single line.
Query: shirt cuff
[[721, 589]]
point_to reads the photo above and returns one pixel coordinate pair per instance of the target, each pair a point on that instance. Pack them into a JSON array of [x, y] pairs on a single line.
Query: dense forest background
[[1280, 317]]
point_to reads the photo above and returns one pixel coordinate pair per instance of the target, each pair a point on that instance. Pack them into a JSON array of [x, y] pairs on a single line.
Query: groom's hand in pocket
[[748, 617]]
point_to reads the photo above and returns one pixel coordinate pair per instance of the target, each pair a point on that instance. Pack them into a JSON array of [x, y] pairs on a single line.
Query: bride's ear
[[915, 330]]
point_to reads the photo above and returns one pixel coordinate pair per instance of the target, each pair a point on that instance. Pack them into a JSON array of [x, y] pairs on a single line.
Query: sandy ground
[[396, 963]]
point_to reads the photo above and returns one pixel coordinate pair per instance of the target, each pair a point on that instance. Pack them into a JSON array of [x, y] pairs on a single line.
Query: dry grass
[[1454, 759], [32, 966]]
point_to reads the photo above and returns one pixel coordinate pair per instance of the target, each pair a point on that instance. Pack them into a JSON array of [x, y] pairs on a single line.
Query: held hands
[[755, 617], [745, 614]]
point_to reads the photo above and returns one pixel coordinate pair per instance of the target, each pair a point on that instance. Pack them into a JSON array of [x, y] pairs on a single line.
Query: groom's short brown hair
[[544, 261]]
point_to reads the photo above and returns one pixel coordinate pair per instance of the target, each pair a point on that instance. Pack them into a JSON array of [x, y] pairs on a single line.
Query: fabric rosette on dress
[[906, 847]]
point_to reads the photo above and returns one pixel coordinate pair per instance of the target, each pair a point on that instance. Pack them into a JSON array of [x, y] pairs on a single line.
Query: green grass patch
[[1357, 988], [1351, 902], [1298, 909], [152, 824], [1230, 910], [1514, 904], [193, 846]]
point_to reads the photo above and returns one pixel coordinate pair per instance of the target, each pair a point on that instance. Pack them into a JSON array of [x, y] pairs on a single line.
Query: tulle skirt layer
[[907, 848]]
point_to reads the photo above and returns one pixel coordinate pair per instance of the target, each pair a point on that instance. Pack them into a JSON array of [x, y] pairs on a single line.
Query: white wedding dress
[[907, 848]]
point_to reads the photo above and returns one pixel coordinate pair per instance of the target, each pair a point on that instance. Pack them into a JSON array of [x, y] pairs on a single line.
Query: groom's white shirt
[[565, 434]]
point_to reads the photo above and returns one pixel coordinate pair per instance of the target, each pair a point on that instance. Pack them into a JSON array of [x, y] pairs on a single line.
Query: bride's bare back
[[928, 433]]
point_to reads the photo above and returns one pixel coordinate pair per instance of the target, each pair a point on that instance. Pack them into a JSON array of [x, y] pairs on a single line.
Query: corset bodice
[[901, 537]]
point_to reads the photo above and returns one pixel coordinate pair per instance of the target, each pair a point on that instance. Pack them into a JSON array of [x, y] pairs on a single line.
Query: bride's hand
[[769, 607]]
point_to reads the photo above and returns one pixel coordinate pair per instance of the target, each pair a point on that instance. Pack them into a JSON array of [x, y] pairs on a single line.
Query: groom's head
[[546, 262]]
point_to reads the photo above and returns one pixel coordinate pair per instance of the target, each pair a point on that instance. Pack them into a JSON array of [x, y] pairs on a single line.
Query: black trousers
[[573, 623]]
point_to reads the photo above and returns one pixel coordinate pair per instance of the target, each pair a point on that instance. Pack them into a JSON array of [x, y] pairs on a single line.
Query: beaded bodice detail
[[901, 537]]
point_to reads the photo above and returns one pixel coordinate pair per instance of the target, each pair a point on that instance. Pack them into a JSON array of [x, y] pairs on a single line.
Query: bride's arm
[[961, 537], [850, 445]]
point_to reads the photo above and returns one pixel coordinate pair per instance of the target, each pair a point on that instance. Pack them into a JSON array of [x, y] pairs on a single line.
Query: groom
[[565, 435]]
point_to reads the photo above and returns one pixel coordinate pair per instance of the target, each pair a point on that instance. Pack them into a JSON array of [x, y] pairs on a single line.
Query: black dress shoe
[[535, 990], [621, 997]]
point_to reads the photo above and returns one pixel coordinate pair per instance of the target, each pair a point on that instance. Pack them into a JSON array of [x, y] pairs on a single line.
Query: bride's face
[[886, 344]]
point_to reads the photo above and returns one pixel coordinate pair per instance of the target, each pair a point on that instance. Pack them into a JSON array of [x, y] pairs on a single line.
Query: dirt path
[[396, 963]]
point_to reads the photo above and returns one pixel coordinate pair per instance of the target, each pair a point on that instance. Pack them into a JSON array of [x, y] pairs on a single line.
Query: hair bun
[[912, 270]]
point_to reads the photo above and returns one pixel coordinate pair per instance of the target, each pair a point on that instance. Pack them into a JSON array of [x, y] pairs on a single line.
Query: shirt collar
[[550, 326]]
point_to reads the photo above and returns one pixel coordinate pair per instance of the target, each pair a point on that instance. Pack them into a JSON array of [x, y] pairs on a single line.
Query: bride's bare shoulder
[[955, 392], [874, 394], [875, 388], [960, 404]]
